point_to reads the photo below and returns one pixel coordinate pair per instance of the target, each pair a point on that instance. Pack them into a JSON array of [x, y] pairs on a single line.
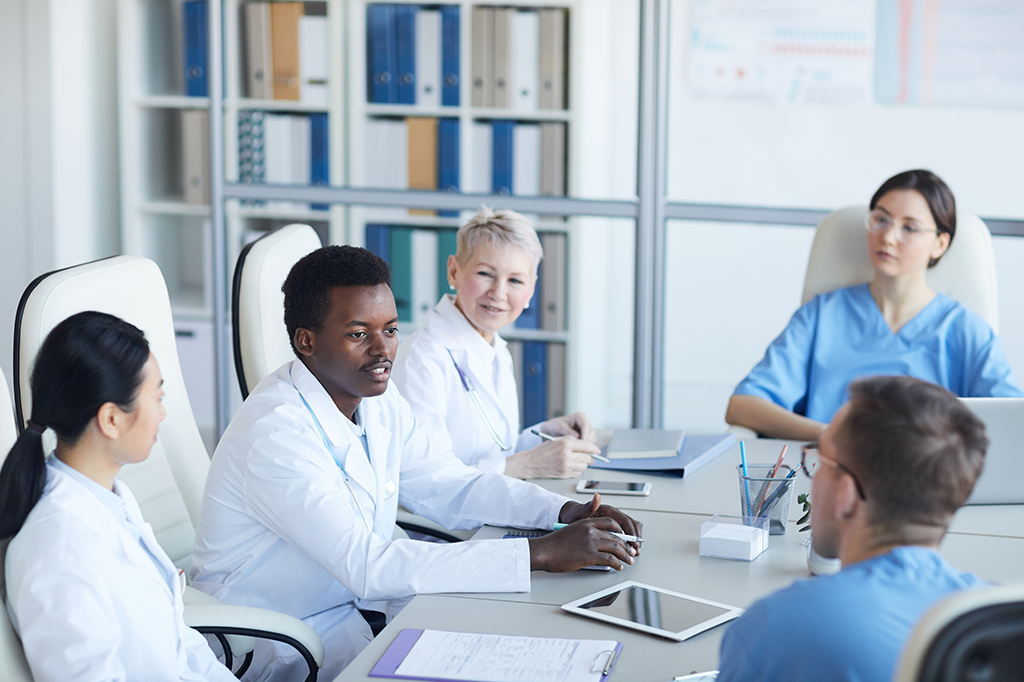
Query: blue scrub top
[[841, 336], [850, 626]]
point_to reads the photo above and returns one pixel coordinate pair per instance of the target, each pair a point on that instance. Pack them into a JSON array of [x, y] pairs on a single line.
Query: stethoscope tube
[[479, 406]]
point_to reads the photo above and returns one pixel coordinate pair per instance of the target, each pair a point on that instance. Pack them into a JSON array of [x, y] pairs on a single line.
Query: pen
[[610, 663], [547, 437], [621, 536], [743, 465], [778, 465], [775, 495]]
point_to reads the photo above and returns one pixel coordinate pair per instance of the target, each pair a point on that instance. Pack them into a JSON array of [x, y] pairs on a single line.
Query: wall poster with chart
[[782, 51], [966, 53]]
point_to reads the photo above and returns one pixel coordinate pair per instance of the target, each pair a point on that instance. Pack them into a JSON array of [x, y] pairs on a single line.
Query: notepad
[[469, 657], [644, 444]]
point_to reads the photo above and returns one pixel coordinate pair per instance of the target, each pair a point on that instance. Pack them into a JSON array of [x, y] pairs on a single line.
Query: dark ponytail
[[86, 361]]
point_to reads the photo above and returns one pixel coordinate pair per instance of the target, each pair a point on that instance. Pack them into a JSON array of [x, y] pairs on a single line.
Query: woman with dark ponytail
[[89, 590]]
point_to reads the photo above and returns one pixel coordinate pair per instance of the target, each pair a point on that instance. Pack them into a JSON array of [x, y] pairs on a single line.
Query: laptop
[[1002, 478]]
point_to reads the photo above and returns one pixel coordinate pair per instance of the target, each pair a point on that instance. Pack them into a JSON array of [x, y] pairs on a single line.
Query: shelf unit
[[158, 223]]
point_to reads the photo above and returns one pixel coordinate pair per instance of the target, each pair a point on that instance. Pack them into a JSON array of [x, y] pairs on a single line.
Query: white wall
[[732, 288], [58, 147]]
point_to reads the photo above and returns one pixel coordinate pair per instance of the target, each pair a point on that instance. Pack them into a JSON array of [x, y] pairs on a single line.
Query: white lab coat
[[88, 602], [425, 374], [279, 527]]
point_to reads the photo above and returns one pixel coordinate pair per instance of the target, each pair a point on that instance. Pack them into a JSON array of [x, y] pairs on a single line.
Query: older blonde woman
[[456, 371]]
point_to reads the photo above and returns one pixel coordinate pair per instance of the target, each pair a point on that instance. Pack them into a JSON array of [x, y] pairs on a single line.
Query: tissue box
[[734, 537]]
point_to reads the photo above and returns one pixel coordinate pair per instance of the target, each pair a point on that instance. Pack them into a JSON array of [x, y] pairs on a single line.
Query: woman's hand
[[574, 511], [588, 542], [576, 425], [562, 458]]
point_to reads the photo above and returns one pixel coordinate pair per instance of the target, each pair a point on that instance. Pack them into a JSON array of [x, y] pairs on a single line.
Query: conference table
[[986, 540]]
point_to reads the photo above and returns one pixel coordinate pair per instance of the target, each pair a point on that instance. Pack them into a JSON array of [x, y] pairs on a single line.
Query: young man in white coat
[[300, 504]]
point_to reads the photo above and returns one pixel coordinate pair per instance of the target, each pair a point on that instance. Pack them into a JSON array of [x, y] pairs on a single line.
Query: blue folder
[[535, 382], [501, 157], [695, 452], [449, 56], [377, 241], [530, 319], [405, 50], [319, 156], [381, 54], [448, 159], [195, 48]]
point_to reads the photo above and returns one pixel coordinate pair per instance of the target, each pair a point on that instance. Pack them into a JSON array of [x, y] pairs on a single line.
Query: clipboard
[[389, 663]]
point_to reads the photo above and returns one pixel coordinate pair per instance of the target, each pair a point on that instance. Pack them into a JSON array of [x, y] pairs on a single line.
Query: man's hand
[[574, 511], [588, 542]]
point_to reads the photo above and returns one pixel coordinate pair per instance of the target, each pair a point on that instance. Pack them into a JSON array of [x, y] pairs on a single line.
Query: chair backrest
[[13, 666], [966, 273], [8, 425], [169, 484], [971, 635], [259, 336]]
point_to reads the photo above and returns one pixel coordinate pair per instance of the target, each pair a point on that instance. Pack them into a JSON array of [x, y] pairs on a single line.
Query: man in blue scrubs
[[890, 471]]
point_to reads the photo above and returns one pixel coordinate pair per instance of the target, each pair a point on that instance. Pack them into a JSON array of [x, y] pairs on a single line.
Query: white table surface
[[714, 489], [986, 540], [644, 658]]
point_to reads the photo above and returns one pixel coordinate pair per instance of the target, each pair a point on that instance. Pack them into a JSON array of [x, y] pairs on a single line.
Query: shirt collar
[[335, 424], [461, 328], [110, 499]]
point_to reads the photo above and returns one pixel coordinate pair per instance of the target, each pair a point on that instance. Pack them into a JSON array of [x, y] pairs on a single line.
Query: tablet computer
[[653, 610]]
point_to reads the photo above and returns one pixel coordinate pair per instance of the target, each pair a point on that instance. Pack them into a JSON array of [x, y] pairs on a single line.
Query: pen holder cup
[[761, 495]]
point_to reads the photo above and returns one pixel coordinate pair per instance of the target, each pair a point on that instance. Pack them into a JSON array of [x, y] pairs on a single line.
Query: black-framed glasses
[[811, 457]]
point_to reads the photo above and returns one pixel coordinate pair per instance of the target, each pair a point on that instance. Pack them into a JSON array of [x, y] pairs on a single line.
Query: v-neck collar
[[913, 325]]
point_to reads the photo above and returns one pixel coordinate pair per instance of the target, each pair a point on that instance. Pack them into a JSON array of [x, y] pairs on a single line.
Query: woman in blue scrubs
[[894, 324]]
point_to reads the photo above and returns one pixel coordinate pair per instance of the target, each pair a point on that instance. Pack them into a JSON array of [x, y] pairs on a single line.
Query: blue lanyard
[[330, 449]]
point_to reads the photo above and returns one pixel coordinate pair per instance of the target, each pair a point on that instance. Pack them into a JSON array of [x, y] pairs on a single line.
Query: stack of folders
[[412, 54], [418, 260], [519, 58], [288, 149], [284, 51], [411, 153]]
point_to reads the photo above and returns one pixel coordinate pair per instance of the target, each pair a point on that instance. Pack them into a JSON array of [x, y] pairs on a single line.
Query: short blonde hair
[[498, 228]]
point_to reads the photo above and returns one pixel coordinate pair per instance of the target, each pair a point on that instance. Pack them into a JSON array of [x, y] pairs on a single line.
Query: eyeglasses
[[879, 222], [810, 457]]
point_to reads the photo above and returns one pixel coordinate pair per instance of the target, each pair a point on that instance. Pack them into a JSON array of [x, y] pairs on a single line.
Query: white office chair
[[169, 484], [259, 336], [966, 273], [969, 636], [13, 666]]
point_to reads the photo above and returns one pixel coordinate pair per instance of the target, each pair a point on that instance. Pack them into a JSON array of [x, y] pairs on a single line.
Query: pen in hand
[[621, 536], [545, 436]]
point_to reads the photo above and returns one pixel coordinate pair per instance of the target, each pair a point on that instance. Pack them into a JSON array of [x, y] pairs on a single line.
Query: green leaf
[[801, 498], [805, 528], [803, 519]]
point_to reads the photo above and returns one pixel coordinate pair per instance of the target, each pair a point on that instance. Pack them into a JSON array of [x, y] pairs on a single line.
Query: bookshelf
[[167, 219]]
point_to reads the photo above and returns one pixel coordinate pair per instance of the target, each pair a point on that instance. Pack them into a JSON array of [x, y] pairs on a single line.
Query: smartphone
[[614, 487]]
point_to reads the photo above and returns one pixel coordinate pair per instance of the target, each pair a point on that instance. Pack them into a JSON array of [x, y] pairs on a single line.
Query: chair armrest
[[249, 621], [411, 522], [192, 597]]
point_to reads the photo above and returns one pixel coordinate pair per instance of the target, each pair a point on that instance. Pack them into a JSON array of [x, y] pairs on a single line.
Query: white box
[[734, 537]]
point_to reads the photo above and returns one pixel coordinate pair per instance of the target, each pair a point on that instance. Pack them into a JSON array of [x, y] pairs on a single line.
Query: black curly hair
[[307, 289]]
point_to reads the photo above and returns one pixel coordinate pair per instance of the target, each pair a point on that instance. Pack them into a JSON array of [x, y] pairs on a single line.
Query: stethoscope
[[389, 485], [479, 407]]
